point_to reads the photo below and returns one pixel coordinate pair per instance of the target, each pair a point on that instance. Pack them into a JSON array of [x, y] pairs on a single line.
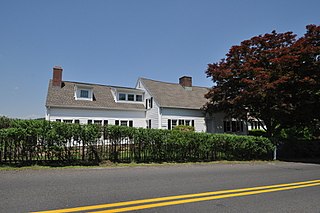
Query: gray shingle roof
[[103, 98], [174, 95]]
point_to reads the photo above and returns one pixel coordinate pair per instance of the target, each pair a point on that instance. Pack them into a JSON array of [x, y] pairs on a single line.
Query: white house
[[151, 104]]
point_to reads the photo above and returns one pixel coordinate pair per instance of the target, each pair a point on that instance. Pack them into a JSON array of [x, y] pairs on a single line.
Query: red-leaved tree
[[272, 77]]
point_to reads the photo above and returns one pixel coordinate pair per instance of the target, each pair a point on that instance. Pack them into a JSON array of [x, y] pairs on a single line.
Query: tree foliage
[[273, 77]]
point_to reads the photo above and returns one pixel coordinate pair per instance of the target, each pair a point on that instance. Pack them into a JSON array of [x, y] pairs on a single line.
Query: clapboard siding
[[84, 115], [183, 114], [152, 113]]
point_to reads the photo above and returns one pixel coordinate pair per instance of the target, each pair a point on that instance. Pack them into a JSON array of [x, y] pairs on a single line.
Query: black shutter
[[131, 123], [192, 123], [146, 103], [169, 124], [151, 102]]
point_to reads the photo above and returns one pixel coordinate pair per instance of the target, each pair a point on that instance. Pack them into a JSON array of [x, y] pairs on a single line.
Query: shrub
[[28, 140], [183, 128], [257, 132]]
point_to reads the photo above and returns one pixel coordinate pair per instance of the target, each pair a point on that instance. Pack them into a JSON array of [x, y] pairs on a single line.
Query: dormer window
[[130, 97], [122, 96], [83, 93], [139, 98]]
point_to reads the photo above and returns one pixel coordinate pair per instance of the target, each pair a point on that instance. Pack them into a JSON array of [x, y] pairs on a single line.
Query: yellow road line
[[160, 199], [170, 203]]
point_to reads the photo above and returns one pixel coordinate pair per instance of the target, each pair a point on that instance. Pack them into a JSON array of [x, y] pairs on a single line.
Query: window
[[58, 120], [131, 123], [76, 121], [84, 93], [99, 122], [173, 123], [89, 121], [105, 122], [123, 123], [149, 103], [67, 121], [130, 97], [122, 96], [139, 98], [233, 126], [255, 125]]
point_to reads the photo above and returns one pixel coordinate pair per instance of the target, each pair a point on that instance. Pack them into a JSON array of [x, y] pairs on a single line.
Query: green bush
[[28, 140], [183, 128], [257, 132]]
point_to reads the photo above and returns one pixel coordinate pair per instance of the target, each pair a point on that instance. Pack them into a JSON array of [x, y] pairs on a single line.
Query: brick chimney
[[185, 81], [57, 76]]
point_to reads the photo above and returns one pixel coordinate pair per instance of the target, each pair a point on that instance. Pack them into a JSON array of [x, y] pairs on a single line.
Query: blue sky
[[115, 42]]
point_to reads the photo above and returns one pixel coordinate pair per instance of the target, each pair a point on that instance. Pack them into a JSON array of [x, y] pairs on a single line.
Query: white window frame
[[132, 95], [125, 96], [78, 90], [139, 96]]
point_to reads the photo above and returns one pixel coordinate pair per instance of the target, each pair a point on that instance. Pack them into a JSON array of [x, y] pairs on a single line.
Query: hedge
[[42, 141]]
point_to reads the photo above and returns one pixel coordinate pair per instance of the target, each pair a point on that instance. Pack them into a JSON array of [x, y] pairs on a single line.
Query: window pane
[[84, 94], [181, 122], [187, 123], [122, 96], [105, 122], [228, 126], [124, 123], [238, 126], [117, 122], [174, 123], [130, 97], [98, 122], [76, 121], [89, 121], [139, 98]]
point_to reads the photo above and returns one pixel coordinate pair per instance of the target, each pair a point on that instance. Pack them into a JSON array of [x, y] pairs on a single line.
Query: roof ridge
[[105, 85], [169, 82]]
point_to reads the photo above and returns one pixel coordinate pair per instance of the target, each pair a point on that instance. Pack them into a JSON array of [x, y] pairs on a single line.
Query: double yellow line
[[188, 198]]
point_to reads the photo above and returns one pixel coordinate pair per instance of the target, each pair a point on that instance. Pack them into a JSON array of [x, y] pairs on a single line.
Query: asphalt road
[[39, 190]]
